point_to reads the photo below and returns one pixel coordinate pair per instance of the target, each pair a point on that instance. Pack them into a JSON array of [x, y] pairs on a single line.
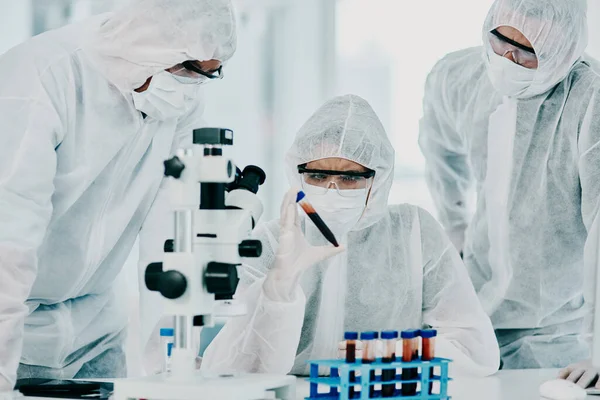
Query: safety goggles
[[347, 183], [190, 73], [523, 55]]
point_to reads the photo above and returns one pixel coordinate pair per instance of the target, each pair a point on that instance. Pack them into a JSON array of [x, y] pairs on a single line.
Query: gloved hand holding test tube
[[294, 254]]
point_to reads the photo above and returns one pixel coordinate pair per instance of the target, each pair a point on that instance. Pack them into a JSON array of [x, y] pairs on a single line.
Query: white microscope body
[[198, 275]]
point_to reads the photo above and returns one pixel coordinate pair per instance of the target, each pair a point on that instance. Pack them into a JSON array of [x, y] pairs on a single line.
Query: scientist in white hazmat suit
[[88, 113], [398, 271], [519, 121]]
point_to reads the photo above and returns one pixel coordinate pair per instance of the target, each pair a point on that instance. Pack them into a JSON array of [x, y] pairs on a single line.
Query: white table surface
[[505, 385]]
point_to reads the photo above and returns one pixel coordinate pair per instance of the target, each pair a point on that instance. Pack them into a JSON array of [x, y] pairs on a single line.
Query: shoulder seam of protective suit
[[42, 73], [442, 254], [59, 60], [449, 245], [439, 69], [595, 94], [30, 98], [440, 107], [57, 140]]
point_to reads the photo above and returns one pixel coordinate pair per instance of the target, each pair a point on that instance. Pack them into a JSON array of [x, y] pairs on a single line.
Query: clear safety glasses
[[524, 56], [188, 72], [347, 183]]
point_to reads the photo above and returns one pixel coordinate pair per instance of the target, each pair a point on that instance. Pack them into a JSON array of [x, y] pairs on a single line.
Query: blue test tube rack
[[339, 380]]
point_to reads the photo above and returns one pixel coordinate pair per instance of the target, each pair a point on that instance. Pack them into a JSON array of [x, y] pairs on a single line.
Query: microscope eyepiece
[[251, 178]]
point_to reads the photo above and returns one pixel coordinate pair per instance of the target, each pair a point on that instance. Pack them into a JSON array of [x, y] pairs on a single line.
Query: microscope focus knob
[[221, 278], [250, 249], [174, 167], [172, 284]]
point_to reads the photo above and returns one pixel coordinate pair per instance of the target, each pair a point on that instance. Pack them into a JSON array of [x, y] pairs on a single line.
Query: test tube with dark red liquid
[[410, 352], [428, 336], [316, 218], [351, 338], [389, 339], [368, 339]]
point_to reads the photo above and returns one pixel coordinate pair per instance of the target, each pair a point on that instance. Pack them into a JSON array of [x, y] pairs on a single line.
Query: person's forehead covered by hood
[[148, 36], [347, 127], [557, 30]]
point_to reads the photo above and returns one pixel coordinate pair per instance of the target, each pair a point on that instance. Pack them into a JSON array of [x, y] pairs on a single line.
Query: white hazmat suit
[[80, 169], [400, 271], [534, 160]]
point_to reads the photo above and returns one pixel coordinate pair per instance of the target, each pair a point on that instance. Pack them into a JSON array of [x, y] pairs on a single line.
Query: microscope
[[215, 210]]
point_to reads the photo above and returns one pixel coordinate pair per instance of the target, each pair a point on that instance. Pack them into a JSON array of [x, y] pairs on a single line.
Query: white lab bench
[[505, 385]]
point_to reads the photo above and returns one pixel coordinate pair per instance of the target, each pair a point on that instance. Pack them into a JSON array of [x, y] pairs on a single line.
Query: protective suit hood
[[347, 127], [557, 29], [148, 36]]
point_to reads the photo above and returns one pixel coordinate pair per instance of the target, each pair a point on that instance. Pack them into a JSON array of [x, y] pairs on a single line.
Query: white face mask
[[339, 213], [508, 78], [166, 97]]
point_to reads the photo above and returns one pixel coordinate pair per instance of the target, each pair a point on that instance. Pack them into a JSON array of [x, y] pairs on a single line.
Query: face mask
[[508, 78], [339, 213], [166, 97]]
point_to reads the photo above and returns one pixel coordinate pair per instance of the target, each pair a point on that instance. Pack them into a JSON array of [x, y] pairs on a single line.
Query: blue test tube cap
[[351, 336], [387, 335], [300, 196], [428, 333], [369, 335], [410, 334], [166, 332]]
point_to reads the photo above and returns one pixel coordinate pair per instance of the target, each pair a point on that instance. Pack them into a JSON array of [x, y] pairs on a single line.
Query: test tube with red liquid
[[351, 338], [428, 345], [316, 218], [410, 352], [369, 349], [389, 339]]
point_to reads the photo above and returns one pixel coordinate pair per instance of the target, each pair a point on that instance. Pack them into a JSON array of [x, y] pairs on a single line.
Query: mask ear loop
[[366, 204], [367, 199], [513, 56]]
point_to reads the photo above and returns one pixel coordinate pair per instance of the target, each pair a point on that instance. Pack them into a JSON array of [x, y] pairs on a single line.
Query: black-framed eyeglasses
[[347, 183], [522, 55], [512, 42], [191, 66], [367, 174]]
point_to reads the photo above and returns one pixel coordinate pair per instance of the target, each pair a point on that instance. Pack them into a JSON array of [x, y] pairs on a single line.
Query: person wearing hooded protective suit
[[527, 137], [398, 271], [88, 114]]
